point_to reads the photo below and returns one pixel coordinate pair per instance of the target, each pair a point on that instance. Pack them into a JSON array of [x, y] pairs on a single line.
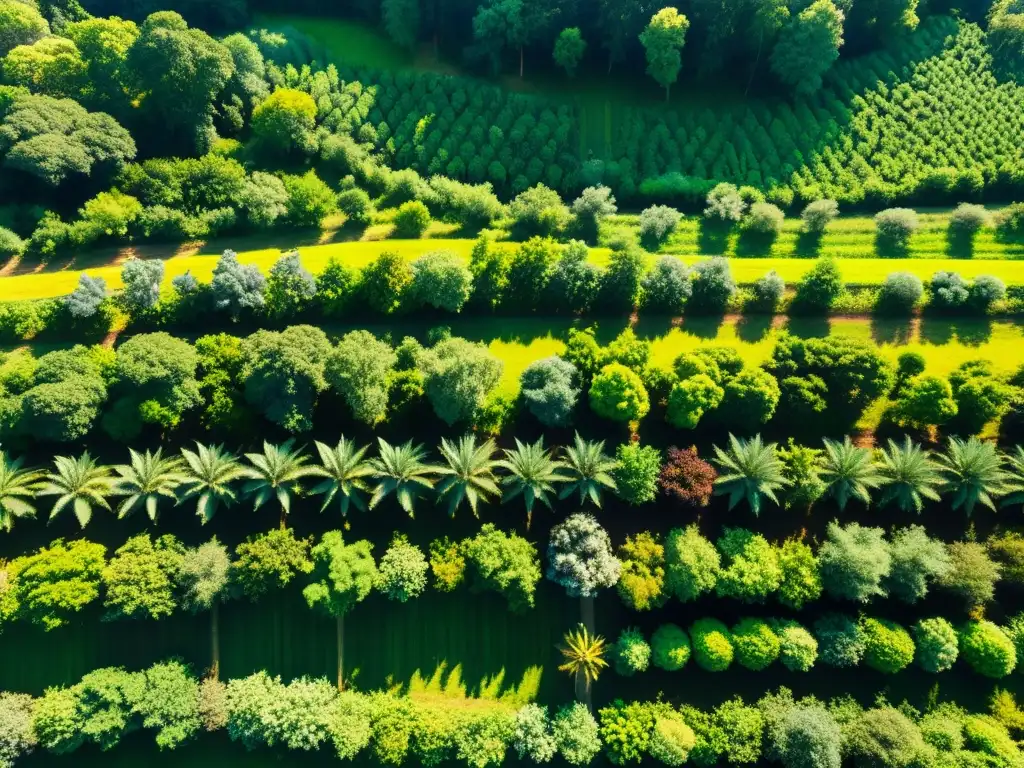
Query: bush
[[767, 292], [854, 561], [549, 389], [755, 644], [692, 564], [764, 220], [801, 577], [10, 244], [656, 224], [750, 569], [671, 740], [819, 288], [917, 561], [712, 645], [575, 282], [949, 291], [900, 293], [888, 647], [632, 652], [617, 393], [670, 648], [840, 640], [724, 205], [441, 280], [967, 219], [798, 650], [713, 286], [808, 737], [690, 399], [1010, 221], [402, 570], [687, 478], [576, 733], [893, 228], [356, 205], [887, 738], [985, 291], [538, 211], [988, 649], [641, 584], [818, 215], [412, 219], [636, 477], [384, 281], [667, 287], [592, 206], [937, 644], [972, 574]]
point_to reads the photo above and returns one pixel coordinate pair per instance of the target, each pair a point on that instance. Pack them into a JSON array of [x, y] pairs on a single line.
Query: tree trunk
[[341, 652], [757, 59], [520, 62], [587, 619], [215, 639]]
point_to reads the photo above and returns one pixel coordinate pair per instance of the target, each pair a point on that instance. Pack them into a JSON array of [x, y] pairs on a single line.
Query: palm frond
[[146, 479], [749, 470], [589, 470], [17, 487], [849, 472], [402, 471], [80, 483], [909, 476], [344, 470], [469, 474], [972, 473], [533, 473], [209, 473]]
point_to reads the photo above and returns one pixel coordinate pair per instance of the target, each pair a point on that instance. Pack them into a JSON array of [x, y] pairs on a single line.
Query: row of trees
[[428, 723], [838, 640]]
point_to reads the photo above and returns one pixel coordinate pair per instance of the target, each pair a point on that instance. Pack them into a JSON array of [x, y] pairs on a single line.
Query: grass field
[[351, 42]]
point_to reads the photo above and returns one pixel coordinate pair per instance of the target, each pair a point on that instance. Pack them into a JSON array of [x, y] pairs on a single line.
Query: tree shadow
[[754, 244], [959, 245], [704, 326], [753, 328], [712, 238], [808, 245], [973, 332], [808, 327], [891, 248], [891, 330], [936, 330]]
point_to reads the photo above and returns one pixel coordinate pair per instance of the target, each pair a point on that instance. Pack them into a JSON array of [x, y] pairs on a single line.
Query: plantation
[[512, 382]]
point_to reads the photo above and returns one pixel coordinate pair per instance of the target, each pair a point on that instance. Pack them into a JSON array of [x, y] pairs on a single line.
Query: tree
[[550, 388], [576, 733], [458, 375], [181, 71], [538, 212], [820, 287], [617, 393], [893, 228], [690, 399], [589, 471], [817, 215], [79, 482], [401, 21], [17, 737], [917, 560], [670, 648], [401, 470], [384, 280], [469, 475], [276, 473], [909, 476], [86, 299], [972, 575], [505, 563], [926, 401], [663, 40], [58, 581], [575, 282], [533, 473], [751, 397], [692, 564], [343, 468], [290, 287], [632, 652], [937, 644], [533, 737], [848, 471], [569, 49], [16, 484], [854, 561], [103, 44], [22, 24], [641, 584], [808, 736], [269, 561], [750, 469], [687, 478], [441, 280], [148, 478], [801, 574], [972, 472], [885, 736], [808, 45], [593, 206], [756, 645], [358, 370], [622, 281], [636, 477], [142, 279], [712, 645], [237, 288], [900, 293], [283, 123], [402, 570], [141, 576], [840, 639], [750, 566], [284, 373], [580, 557], [411, 220], [988, 649], [667, 287], [207, 476], [56, 140], [584, 659], [310, 199], [713, 286], [888, 647], [203, 577]]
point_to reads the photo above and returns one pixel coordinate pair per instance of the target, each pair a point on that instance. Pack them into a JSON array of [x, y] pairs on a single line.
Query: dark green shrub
[[670, 648]]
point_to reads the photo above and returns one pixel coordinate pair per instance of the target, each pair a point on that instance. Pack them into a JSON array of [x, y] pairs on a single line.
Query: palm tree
[[469, 474], [344, 470], [584, 658], [849, 472], [909, 476], [1015, 479], [145, 479], [749, 470], [589, 470], [532, 474], [16, 484], [276, 472], [80, 482], [209, 472], [972, 471], [401, 471]]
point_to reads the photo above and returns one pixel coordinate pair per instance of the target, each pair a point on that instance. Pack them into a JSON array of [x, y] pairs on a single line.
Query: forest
[[483, 382]]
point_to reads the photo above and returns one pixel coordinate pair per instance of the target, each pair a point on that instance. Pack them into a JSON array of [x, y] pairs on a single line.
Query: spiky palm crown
[[16, 485], [80, 482], [533, 473], [147, 478], [469, 473], [909, 476], [584, 654], [209, 472], [972, 472], [344, 469], [849, 472], [749, 470], [1015, 479], [589, 470], [402, 470], [276, 472]]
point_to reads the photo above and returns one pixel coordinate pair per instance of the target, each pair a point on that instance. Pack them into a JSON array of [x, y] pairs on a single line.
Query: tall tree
[[79, 482], [621, 23], [512, 24], [276, 472], [401, 21], [401, 470], [663, 42], [533, 473], [203, 580], [208, 473], [584, 659], [343, 575], [808, 46], [768, 19], [145, 480], [344, 471], [17, 486], [469, 474]]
